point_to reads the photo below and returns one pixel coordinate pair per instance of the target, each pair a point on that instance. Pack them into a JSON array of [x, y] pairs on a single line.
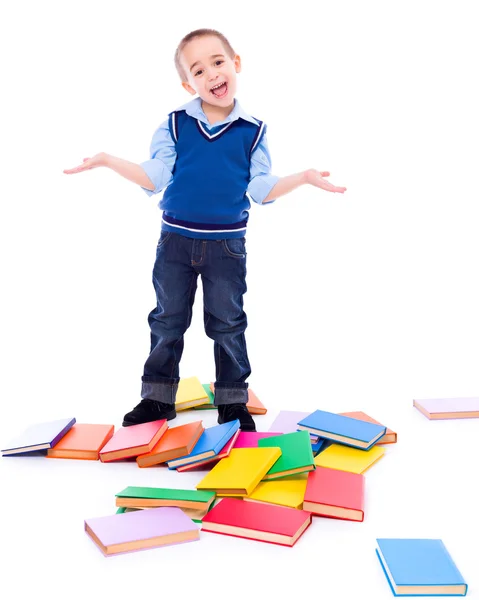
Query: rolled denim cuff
[[232, 393], [161, 389]]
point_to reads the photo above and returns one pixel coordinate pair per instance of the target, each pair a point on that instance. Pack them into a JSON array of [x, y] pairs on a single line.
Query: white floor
[[424, 486]]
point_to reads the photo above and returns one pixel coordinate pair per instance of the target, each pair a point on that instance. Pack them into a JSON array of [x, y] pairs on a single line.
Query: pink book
[[141, 529], [133, 441], [448, 408], [249, 439], [287, 422]]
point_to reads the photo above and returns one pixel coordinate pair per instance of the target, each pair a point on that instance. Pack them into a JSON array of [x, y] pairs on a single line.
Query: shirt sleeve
[[159, 167], [261, 179]]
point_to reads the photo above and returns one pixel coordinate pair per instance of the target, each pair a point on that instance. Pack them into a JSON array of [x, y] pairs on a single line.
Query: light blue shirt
[[159, 167]]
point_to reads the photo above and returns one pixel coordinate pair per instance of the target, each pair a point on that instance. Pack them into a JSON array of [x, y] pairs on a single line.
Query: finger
[[324, 173], [74, 170]]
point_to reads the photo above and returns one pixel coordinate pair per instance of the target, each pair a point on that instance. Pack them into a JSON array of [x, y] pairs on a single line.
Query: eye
[[219, 62], [198, 72]]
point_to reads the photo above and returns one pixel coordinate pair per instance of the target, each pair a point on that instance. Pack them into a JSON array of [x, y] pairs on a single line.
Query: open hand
[[316, 178], [99, 160]]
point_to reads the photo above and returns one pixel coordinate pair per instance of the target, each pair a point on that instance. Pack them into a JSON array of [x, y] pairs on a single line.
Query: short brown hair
[[196, 34]]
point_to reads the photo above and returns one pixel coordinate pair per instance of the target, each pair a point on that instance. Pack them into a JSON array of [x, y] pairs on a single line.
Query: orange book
[[176, 442], [390, 436], [84, 441], [254, 404], [134, 440]]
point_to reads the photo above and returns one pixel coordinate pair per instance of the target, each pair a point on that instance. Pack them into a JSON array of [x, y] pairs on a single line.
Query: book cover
[[212, 440], [448, 408], [39, 436], [419, 567], [174, 443], [333, 493], [345, 430], [287, 422], [254, 404], [296, 454], [147, 497], [190, 393], [211, 399], [141, 529], [346, 458], [287, 491], [390, 436], [208, 463], [257, 521], [317, 446], [249, 439], [83, 441], [240, 472], [134, 440]]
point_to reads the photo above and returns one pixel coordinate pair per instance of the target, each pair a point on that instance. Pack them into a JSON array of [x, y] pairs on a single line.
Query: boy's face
[[211, 73]]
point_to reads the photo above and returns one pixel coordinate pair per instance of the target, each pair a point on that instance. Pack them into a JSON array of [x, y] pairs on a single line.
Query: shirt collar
[[193, 108]]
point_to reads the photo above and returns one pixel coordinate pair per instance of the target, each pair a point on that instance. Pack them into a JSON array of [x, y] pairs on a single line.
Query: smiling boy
[[213, 159]]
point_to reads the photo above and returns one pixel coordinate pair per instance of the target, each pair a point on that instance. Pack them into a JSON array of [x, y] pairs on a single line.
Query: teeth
[[217, 86]]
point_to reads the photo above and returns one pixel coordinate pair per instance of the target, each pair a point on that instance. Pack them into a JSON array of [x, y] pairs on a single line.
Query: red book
[[211, 462], [333, 493], [133, 441], [256, 521], [249, 439]]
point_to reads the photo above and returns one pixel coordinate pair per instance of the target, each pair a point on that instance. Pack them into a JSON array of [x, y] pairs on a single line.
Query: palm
[[317, 178], [88, 163]]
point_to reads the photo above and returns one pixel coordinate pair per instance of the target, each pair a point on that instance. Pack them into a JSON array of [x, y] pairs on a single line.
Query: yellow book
[[285, 491], [240, 472], [190, 393], [346, 458]]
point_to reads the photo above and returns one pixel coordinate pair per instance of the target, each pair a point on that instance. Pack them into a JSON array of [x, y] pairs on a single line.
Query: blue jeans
[[222, 266]]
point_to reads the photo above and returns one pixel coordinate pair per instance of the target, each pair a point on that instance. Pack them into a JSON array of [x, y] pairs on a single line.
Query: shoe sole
[[168, 417]]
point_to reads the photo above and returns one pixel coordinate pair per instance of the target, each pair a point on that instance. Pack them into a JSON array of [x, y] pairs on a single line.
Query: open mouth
[[220, 90]]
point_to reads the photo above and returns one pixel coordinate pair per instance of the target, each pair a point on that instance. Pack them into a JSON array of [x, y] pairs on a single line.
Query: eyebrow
[[212, 56]]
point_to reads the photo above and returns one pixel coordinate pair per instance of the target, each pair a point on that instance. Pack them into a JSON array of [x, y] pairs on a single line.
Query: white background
[[361, 301]]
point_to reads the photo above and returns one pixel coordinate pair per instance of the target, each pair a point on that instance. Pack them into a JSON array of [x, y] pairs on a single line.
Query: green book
[[296, 454], [146, 497], [211, 398], [123, 509]]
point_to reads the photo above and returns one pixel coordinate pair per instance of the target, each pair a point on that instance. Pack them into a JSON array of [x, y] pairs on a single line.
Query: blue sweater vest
[[207, 197]]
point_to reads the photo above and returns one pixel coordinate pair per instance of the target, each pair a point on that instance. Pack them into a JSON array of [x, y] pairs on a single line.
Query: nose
[[212, 74]]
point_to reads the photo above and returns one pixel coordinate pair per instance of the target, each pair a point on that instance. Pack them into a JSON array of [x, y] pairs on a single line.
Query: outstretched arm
[[291, 182]]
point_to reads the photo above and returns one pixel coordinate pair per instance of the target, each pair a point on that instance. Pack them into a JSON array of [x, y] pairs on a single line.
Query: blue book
[[342, 429], [212, 440], [39, 437], [316, 447], [417, 567]]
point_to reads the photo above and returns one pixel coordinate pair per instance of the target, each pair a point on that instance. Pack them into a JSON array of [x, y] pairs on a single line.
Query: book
[[448, 408], [390, 437], [317, 446], [344, 430], [249, 439], [240, 472], [256, 521], [419, 567], [141, 529], [39, 436], [287, 422], [211, 399], [287, 491], [174, 443], [212, 440], [148, 497], [296, 454], [82, 441], [210, 462], [134, 440], [190, 393], [254, 404], [346, 458], [194, 515], [333, 493]]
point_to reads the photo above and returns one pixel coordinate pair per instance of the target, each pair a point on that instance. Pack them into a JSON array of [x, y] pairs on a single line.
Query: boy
[[213, 159]]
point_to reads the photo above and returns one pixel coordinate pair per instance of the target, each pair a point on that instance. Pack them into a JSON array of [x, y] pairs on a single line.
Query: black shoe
[[230, 412], [149, 410]]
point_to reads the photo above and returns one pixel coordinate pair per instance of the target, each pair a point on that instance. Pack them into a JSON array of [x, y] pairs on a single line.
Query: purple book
[[287, 422], [39, 437], [141, 529], [249, 439], [448, 408]]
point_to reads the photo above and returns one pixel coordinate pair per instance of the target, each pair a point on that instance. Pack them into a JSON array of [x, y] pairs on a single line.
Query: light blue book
[[342, 429], [40, 436], [212, 440], [420, 567]]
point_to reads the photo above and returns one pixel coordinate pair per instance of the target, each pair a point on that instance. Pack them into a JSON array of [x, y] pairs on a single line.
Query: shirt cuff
[[158, 173], [260, 186]]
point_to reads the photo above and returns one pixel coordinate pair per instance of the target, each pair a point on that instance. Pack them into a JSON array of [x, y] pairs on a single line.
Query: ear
[[237, 63], [188, 88]]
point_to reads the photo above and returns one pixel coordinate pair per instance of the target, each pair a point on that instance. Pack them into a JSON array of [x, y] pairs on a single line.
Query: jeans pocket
[[164, 237], [235, 247]]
